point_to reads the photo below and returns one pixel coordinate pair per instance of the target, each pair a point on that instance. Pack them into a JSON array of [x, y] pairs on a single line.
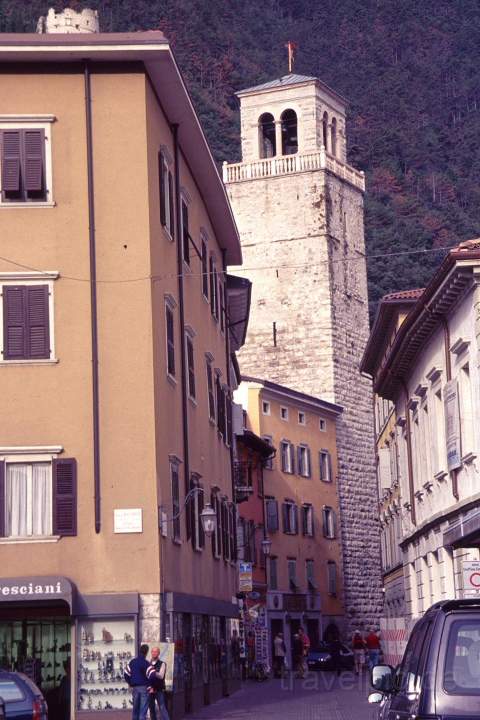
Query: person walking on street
[[305, 640], [336, 647], [358, 646], [279, 652], [297, 653], [156, 676], [373, 647], [135, 675]]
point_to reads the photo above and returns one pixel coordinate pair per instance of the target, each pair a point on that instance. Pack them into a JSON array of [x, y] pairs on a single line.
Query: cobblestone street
[[321, 696]]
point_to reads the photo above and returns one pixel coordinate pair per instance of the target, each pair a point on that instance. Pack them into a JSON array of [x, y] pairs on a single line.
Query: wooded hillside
[[410, 71]]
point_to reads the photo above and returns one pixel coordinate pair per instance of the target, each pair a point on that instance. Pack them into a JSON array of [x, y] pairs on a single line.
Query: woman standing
[[358, 646]]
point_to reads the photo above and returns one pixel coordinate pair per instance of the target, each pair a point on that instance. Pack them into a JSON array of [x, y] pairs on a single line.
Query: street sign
[[245, 577], [471, 579]]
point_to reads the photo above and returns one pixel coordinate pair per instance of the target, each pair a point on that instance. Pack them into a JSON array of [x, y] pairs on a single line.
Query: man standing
[[156, 675], [278, 655], [373, 647], [135, 675]]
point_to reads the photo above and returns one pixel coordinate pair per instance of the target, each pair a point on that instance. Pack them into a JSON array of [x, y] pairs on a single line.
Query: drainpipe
[[93, 299], [181, 307], [408, 434]]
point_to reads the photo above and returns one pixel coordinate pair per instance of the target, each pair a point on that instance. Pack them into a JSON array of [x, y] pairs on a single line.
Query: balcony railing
[[243, 480], [291, 164]]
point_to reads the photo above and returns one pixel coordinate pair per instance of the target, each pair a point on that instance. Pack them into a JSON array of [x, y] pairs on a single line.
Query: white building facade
[[426, 364]]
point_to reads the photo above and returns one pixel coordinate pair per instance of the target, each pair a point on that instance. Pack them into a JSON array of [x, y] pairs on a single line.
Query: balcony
[[243, 480], [290, 165]]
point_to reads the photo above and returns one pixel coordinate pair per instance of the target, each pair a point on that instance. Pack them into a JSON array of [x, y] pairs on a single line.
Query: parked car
[[20, 698], [439, 676], [321, 657]]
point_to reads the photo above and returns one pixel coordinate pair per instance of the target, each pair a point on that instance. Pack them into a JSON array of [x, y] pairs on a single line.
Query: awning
[[465, 532], [44, 589]]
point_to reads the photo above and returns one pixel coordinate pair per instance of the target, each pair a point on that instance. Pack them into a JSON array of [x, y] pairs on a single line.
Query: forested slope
[[409, 69]]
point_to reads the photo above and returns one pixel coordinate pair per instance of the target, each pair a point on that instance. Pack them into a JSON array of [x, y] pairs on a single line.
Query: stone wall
[[303, 246], [357, 480]]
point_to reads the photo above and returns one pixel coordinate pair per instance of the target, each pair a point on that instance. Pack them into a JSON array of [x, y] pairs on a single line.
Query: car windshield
[[9, 690], [462, 662]]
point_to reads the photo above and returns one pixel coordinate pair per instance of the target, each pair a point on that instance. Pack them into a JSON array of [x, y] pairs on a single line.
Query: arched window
[[289, 132], [266, 135], [325, 130], [333, 136]]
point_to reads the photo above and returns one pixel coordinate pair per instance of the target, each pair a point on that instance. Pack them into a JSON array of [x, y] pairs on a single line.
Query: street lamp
[[266, 546], [208, 517]]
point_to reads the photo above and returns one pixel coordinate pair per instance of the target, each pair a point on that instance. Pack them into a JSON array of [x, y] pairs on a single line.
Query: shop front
[[287, 612], [205, 632], [73, 646]]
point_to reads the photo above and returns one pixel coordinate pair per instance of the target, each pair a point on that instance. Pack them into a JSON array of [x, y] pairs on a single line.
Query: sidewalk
[[321, 696]]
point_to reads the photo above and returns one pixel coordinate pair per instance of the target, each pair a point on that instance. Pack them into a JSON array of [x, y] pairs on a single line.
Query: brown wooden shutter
[[272, 515], [171, 205], [309, 463], [295, 519], [38, 335], [186, 237], [304, 520], [214, 534], [292, 455], [201, 532], [212, 285], [2, 499], [34, 148], [14, 322], [188, 509], [65, 497], [286, 518], [161, 181], [11, 160]]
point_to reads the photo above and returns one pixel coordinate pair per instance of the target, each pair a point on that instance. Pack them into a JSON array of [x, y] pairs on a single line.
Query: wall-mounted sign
[[471, 579], [128, 520], [245, 577], [452, 425], [36, 588]]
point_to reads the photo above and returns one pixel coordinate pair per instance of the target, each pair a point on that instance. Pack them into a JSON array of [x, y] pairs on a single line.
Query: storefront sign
[[245, 577], [471, 578], [35, 588], [127, 520], [452, 425]]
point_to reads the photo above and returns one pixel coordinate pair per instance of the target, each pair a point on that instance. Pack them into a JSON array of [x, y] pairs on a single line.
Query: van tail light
[[37, 713]]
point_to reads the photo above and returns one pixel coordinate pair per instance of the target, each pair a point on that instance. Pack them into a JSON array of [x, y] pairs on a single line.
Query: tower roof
[[288, 81]]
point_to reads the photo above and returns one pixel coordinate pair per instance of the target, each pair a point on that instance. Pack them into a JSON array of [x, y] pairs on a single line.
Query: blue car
[[322, 657], [20, 698]]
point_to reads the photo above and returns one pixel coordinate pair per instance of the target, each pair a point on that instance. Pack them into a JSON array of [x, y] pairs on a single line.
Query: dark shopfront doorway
[[36, 641]]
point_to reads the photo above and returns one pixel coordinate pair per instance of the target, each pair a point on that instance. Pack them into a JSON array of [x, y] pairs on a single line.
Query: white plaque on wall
[[127, 520]]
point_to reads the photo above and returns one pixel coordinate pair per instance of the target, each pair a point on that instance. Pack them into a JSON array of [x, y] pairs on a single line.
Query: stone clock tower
[[299, 210]]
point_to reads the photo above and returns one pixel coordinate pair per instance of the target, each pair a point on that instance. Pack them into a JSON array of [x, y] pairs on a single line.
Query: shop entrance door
[[40, 647]]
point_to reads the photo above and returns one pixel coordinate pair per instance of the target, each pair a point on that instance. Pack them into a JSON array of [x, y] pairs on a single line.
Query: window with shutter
[[218, 530], [272, 575], [216, 291], [176, 531], [328, 522], [220, 407], [185, 233], [2, 499], [268, 464], [307, 520], [64, 497], [272, 515], [294, 519], [171, 206], [204, 260], [303, 460], [325, 466], [211, 395], [310, 573], [228, 419], [26, 332], [292, 573], [169, 323], [163, 182], [221, 292], [233, 532], [23, 165], [213, 289], [191, 367], [331, 577]]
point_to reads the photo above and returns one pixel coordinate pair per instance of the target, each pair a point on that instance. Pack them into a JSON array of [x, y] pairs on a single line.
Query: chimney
[[69, 21]]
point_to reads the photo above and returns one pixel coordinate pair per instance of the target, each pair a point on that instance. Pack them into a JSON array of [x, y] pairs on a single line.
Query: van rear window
[[462, 662], [10, 691]]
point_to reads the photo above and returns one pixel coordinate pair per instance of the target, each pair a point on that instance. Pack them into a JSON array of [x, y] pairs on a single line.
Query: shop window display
[[105, 646]]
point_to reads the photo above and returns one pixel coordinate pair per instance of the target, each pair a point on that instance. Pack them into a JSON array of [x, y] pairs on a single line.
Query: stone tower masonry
[[299, 210]]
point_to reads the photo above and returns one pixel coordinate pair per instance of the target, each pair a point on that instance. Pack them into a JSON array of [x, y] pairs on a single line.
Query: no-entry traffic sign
[[471, 579]]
